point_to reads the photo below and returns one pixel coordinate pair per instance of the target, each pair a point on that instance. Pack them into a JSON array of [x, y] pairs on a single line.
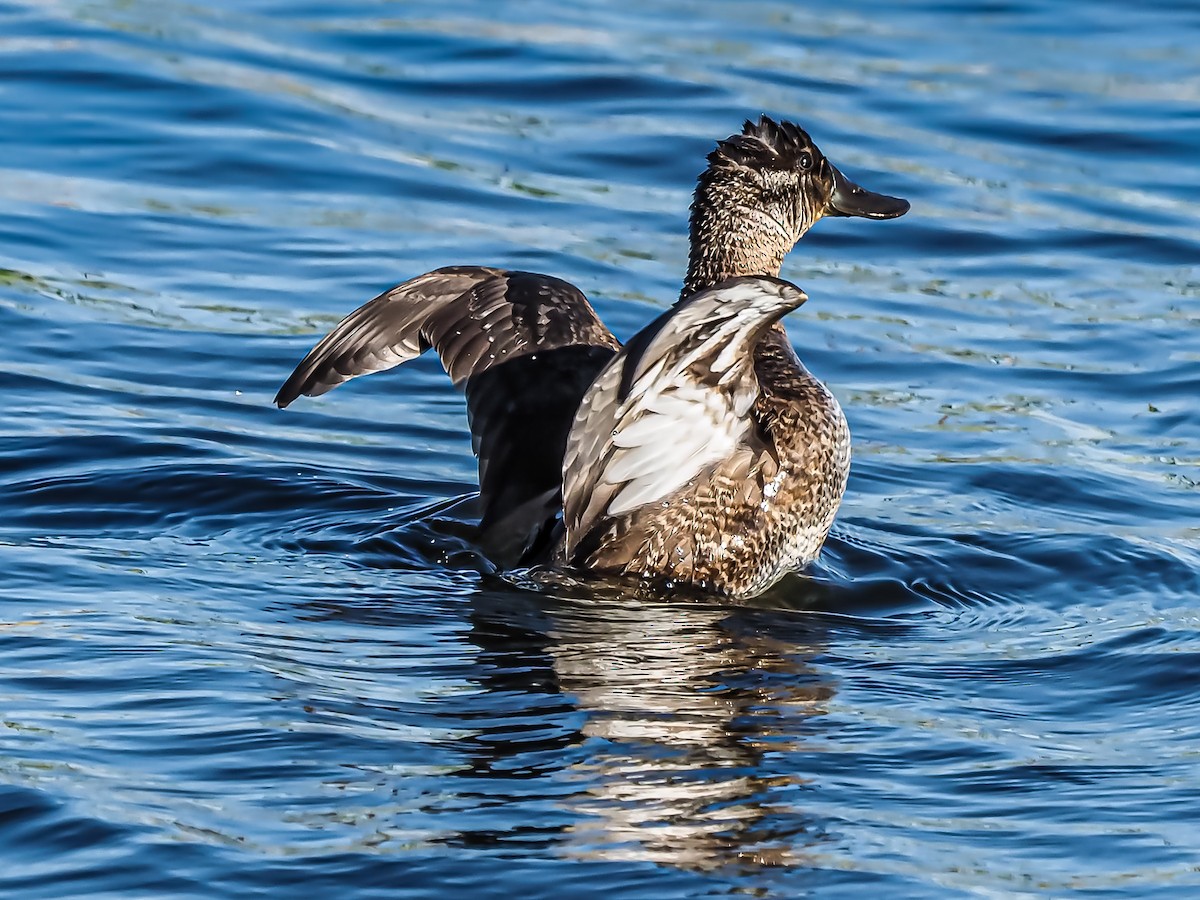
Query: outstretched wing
[[473, 316], [676, 400], [382, 333], [524, 347]]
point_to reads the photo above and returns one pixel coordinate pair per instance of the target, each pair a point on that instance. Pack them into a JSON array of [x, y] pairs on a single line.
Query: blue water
[[250, 652]]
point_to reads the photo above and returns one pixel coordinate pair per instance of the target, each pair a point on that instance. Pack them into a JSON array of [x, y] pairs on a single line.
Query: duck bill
[[848, 199]]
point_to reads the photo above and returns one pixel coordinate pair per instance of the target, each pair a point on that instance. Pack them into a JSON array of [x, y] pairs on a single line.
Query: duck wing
[[524, 348], [676, 400], [473, 316]]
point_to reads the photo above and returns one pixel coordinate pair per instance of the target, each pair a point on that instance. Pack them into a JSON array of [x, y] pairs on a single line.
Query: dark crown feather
[[765, 144]]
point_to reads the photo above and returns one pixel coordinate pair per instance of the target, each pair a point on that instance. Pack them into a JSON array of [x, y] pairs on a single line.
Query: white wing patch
[[677, 433], [689, 394]]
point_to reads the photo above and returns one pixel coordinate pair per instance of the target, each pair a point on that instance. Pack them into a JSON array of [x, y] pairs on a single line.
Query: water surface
[[251, 651]]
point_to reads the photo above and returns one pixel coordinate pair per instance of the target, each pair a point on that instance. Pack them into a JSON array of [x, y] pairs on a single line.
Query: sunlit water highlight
[[252, 651]]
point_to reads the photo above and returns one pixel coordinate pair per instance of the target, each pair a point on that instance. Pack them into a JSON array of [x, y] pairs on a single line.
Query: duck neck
[[730, 239]]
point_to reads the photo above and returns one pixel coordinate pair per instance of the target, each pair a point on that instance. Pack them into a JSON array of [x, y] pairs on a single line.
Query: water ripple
[[254, 651]]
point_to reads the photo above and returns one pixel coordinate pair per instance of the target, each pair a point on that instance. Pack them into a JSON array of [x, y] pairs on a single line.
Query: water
[[245, 651]]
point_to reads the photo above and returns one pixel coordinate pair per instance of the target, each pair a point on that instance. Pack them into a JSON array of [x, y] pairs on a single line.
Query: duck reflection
[[685, 708], [601, 722]]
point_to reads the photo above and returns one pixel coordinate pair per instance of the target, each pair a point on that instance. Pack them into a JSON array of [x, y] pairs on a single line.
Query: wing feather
[[673, 402], [381, 333], [524, 347], [473, 316]]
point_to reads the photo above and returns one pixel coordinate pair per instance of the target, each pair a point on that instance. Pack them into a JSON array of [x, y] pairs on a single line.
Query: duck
[[702, 452]]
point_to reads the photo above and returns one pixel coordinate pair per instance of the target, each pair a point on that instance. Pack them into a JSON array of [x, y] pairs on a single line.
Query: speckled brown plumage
[[763, 511], [767, 509], [526, 349]]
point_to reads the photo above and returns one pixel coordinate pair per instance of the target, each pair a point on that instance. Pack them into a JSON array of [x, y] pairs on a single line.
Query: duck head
[[762, 190]]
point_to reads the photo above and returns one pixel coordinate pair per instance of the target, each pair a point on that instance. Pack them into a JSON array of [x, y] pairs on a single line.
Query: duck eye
[[806, 161]]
